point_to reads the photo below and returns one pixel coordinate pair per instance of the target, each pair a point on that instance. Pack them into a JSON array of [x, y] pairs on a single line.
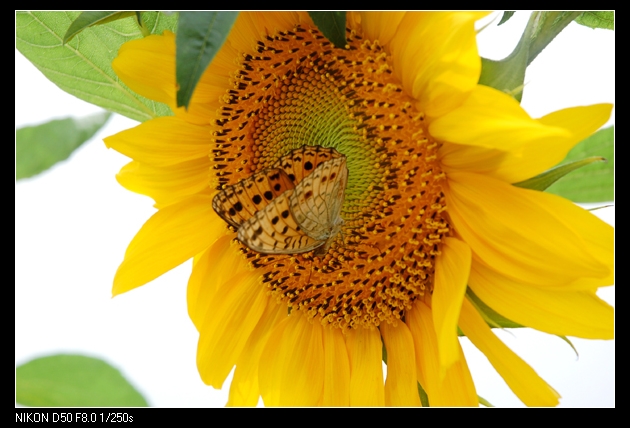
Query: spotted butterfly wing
[[302, 161], [273, 230], [317, 201], [302, 219], [239, 202]]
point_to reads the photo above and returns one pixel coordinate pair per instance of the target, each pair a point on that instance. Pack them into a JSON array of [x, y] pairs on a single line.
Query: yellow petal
[[492, 119], [291, 371], [569, 313], [155, 53], [337, 369], [166, 184], [481, 160], [579, 122], [170, 237], [380, 26], [527, 235], [495, 136], [401, 388], [251, 27], [598, 236], [530, 388], [244, 390], [271, 23], [582, 121], [213, 268], [366, 369], [353, 20], [436, 59], [229, 319], [455, 387], [452, 268], [161, 142]]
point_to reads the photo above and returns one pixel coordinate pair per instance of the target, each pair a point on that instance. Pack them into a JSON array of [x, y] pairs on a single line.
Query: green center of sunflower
[[297, 90]]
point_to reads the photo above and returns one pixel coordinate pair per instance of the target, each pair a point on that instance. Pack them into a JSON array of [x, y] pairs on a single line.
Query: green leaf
[[543, 181], [601, 207], [506, 15], [484, 402], [566, 339], [547, 26], [82, 67], [424, 398], [593, 19], [73, 381], [508, 74], [332, 25], [37, 148], [87, 19], [200, 36], [594, 183], [143, 27]]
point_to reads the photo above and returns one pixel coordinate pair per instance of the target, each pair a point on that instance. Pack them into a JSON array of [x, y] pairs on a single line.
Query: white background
[[74, 221]]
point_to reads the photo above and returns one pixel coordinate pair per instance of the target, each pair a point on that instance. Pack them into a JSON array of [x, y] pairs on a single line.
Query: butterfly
[[239, 202], [292, 207], [302, 161]]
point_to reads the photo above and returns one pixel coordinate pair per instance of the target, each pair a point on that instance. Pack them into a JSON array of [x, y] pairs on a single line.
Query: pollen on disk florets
[[295, 88]]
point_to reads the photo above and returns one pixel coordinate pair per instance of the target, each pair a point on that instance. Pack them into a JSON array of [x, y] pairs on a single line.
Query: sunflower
[[434, 232]]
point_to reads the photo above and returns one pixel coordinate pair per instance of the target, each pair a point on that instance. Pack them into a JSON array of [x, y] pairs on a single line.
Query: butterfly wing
[[273, 230], [239, 202], [301, 162], [316, 202]]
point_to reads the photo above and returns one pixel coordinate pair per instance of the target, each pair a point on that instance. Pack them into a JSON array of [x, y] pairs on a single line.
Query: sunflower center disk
[[301, 90]]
